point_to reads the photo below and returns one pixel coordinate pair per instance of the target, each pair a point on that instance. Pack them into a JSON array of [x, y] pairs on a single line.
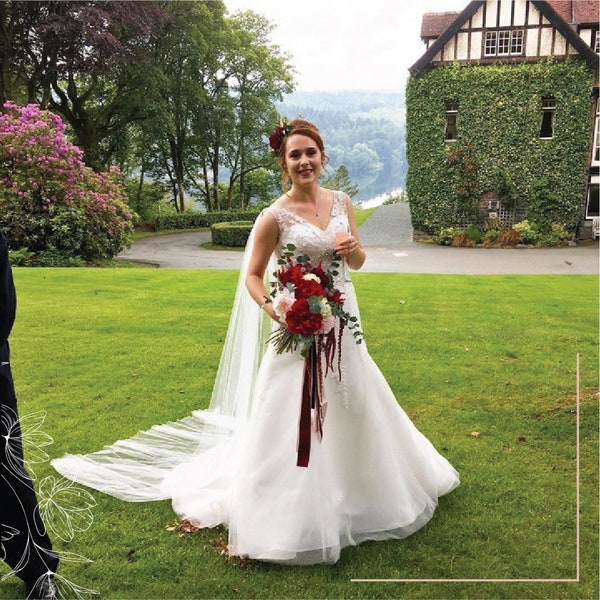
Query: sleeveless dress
[[372, 476]]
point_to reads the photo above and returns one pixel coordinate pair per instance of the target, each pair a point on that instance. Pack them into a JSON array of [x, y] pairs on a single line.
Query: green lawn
[[485, 366]]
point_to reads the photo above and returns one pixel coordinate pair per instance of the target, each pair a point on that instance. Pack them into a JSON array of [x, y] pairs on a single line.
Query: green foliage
[[145, 200], [396, 198], [545, 207], [20, 257], [196, 220], [557, 235], [233, 233], [50, 202], [499, 119], [528, 231], [341, 181], [446, 236], [473, 232]]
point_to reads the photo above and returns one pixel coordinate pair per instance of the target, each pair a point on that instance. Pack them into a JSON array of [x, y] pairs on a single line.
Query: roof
[[546, 7], [580, 12], [434, 24]]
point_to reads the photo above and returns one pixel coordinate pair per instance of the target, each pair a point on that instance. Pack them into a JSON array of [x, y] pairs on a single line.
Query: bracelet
[[267, 300]]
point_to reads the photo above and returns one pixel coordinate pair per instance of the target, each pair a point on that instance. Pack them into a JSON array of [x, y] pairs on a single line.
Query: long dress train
[[372, 476]]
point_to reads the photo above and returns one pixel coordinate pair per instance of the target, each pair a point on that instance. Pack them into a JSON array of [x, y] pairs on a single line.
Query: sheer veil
[[134, 469]]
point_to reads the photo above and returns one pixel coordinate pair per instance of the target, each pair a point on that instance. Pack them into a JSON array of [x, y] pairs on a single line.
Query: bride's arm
[[266, 236], [352, 248]]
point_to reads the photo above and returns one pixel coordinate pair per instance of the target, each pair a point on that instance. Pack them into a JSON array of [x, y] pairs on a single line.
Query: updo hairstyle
[[300, 127]]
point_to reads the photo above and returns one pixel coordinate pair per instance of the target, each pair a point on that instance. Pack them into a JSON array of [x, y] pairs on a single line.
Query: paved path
[[388, 225], [185, 251]]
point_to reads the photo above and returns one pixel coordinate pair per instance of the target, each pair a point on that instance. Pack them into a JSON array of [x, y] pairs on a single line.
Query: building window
[[490, 43], [506, 42], [597, 42], [592, 209], [503, 46], [450, 124], [548, 110], [516, 42], [596, 148]]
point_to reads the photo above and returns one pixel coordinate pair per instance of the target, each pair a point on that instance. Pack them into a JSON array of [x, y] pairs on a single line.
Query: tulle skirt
[[372, 476]]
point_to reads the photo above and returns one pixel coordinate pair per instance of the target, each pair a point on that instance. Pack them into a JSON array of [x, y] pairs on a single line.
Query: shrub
[[557, 235], [20, 257], [491, 235], [528, 231], [446, 236], [509, 238], [462, 240], [49, 200], [199, 220], [474, 233], [234, 234]]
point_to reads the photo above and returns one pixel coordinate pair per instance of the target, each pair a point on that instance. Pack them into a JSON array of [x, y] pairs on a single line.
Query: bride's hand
[[345, 247]]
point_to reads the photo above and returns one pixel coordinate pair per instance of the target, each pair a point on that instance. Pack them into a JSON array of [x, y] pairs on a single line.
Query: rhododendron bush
[[49, 200]]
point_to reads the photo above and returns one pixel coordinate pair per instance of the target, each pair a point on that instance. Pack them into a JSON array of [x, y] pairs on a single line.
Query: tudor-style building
[[505, 97]]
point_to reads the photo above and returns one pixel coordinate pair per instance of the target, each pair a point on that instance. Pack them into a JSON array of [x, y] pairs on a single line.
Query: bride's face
[[303, 159]]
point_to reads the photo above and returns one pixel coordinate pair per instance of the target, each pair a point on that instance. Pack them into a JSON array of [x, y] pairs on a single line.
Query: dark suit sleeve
[[8, 297]]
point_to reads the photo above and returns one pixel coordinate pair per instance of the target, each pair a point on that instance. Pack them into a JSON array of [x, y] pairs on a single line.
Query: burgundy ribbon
[[312, 396]]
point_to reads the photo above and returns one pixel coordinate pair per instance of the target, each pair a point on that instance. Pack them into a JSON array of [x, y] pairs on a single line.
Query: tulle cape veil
[[134, 469]]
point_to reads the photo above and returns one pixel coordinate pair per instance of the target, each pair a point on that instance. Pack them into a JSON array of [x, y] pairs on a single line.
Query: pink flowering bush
[[50, 202]]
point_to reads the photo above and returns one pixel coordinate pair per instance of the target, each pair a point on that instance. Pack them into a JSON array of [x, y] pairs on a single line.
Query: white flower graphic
[[65, 507], [31, 442]]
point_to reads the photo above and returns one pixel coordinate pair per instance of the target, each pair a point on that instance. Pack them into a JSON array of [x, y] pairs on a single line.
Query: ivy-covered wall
[[498, 142]]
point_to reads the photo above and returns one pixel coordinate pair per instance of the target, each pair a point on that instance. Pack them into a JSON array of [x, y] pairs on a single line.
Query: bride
[[296, 459]]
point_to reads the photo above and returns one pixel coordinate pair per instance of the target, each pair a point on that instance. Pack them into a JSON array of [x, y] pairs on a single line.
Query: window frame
[[451, 120], [548, 108], [594, 184], [595, 162], [503, 42]]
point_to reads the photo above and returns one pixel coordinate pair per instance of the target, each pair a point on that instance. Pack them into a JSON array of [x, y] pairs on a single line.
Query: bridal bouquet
[[307, 302], [308, 305]]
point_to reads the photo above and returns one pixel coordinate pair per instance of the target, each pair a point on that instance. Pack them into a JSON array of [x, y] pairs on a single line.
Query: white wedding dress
[[373, 476]]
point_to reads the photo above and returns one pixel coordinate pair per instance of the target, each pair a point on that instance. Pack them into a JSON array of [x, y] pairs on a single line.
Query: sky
[[348, 44]]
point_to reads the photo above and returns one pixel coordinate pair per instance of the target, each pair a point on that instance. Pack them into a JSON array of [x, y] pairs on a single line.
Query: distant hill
[[363, 130]]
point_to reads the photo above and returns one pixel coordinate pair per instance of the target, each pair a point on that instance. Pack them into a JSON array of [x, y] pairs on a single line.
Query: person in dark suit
[[24, 542]]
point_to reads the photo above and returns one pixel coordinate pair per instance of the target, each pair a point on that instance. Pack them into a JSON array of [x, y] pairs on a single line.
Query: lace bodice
[[310, 239]]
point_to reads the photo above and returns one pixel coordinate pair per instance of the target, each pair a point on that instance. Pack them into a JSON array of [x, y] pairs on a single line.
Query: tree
[[50, 202], [341, 181], [171, 144], [260, 74], [220, 77], [85, 60]]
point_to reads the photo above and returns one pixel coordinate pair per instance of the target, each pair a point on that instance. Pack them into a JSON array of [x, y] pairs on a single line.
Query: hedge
[[202, 220], [498, 143], [234, 233]]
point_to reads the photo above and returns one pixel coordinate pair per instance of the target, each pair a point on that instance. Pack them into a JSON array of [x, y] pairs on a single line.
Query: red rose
[[306, 288], [290, 275], [300, 320], [320, 273], [275, 138]]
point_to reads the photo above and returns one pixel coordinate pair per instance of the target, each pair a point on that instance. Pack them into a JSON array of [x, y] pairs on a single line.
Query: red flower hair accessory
[[276, 138]]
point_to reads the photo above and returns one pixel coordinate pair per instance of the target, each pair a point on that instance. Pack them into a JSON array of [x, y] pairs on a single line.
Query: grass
[[485, 366]]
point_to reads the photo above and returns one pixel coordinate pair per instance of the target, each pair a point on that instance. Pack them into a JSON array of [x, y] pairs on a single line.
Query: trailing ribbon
[[312, 405]]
